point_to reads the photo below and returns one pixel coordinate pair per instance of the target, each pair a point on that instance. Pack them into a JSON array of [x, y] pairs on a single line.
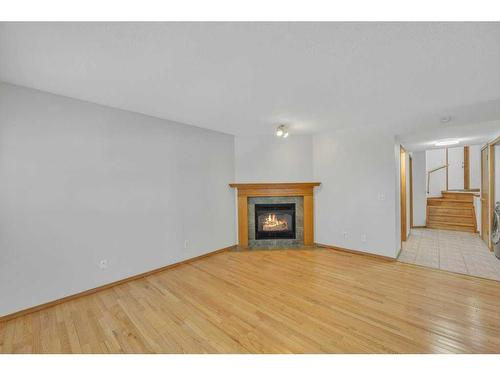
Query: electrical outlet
[[186, 244], [363, 237], [103, 264], [344, 233], [381, 196]]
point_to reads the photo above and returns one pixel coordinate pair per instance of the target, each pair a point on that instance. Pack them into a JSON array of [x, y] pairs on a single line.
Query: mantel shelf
[[274, 185]]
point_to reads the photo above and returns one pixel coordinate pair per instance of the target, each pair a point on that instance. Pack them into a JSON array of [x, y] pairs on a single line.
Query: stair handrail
[[432, 171]]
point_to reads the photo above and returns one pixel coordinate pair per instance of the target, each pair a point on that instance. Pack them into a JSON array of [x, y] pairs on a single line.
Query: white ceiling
[[246, 78], [469, 134]]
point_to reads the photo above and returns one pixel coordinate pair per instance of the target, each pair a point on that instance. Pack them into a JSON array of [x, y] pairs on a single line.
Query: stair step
[[448, 203], [467, 197], [455, 227], [443, 210], [444, 214], [448, 200], [452, 219], [431, 222]]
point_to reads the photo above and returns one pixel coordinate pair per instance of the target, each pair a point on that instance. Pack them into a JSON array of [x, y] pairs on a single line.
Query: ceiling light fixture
[[447, 142], [445, 119], [282, 131]]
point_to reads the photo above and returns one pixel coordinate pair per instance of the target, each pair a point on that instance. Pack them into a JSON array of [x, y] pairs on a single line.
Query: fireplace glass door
[[275, 220]]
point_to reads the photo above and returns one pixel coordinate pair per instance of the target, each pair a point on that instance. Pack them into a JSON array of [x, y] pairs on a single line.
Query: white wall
[[272, 159], [456, 168], [82, 182], [475, 166], [355, 169], [433, 159], [419, 188], [477, 210]]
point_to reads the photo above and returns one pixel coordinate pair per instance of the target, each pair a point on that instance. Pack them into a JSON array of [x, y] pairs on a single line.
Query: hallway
[[453, 251]]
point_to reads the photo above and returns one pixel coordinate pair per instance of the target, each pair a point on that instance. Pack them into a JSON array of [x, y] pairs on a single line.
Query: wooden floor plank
[[286, 301]]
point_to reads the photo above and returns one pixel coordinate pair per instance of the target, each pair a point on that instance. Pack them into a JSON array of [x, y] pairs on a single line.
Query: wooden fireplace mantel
[[280, 189]]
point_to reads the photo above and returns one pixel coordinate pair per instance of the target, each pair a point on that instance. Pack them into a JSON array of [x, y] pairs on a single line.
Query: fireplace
[[274, 221], [300, 224]]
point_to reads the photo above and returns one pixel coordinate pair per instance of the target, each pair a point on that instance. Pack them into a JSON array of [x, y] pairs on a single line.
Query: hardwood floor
[[287, 301]]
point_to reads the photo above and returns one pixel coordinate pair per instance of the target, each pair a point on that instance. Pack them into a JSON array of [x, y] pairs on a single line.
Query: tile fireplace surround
[[300, 193]]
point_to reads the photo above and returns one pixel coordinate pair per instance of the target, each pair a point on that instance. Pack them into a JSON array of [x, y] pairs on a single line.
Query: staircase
[[452, 211]]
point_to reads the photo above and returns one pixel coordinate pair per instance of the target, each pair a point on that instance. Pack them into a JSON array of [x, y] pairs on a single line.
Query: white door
[[456, 168]]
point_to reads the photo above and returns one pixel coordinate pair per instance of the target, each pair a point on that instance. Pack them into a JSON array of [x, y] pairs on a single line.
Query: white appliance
[[495, 230]]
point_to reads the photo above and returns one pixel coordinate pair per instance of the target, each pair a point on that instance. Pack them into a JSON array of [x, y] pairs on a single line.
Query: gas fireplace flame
[[273, 223]]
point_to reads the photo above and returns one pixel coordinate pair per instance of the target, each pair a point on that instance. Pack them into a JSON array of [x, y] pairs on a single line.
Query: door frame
[[491, 196], [402, 188], [485, 225], [410, 175], [447, 169], [466, 167]]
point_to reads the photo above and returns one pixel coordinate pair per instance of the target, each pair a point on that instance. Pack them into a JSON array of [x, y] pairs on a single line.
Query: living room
[[249, 187]]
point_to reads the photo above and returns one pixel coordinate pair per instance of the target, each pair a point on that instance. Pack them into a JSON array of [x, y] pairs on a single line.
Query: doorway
[[455, 174], [485, 190], [494, 192]]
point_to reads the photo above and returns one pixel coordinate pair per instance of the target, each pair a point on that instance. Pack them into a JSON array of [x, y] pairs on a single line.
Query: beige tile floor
[[450, 251]]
